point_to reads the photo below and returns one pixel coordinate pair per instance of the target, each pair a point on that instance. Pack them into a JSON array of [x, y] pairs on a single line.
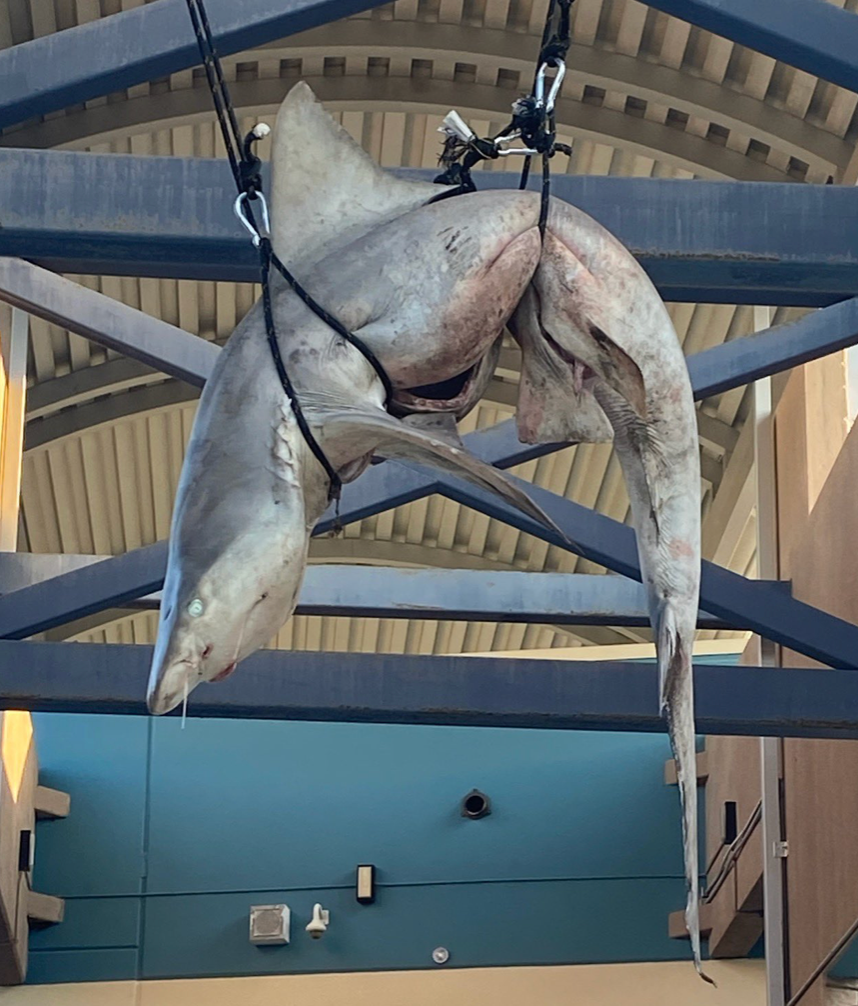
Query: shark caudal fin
[[666, 517], [677, 701], [374, 429], [325, 189]]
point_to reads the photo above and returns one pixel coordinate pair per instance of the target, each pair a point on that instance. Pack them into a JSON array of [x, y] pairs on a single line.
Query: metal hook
[[256, 233], [539, 91], [555, 86]]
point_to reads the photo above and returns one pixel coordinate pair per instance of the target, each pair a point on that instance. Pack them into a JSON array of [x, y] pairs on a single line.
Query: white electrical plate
[[269, 924]]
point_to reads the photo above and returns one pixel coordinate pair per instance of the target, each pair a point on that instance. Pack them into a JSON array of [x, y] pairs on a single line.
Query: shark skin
[[598, 313], [251, 490], [429, 287]]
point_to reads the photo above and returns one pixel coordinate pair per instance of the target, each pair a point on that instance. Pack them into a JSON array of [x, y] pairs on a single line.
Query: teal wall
[[175, 833]]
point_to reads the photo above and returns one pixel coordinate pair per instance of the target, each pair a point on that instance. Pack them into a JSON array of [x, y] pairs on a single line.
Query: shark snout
[[169, 685]]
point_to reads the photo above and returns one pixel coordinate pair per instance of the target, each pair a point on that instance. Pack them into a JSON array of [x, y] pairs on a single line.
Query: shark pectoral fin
[[552, 407], [394, 439], [577, 315], [436, 424], [614, 365], [324, 187]]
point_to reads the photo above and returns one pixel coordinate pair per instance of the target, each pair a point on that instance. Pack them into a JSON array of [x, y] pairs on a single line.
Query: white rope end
[[261, 129]]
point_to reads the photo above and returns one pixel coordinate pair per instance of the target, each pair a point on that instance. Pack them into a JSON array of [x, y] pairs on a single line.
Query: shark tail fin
[[676, 686]]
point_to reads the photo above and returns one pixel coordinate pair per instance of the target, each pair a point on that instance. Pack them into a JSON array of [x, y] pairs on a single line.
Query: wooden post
[[18, 769], [13, 394], [815, 552]]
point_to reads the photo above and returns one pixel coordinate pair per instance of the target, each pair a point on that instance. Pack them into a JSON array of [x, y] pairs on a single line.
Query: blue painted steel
[[769, 612], [814, 36], [483, 925], [736, 242], [107, 321], [389, 592], [110, 54], [741, 361], [104, 965], [555, 846], [93, 852], [724, 594], [450, 691], [186, 357]]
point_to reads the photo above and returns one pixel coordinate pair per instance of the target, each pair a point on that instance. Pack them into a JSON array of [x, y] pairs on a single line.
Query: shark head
[[215, 613]]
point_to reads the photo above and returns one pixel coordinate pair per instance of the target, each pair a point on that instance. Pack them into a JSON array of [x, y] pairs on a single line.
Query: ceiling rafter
[[108, 123]]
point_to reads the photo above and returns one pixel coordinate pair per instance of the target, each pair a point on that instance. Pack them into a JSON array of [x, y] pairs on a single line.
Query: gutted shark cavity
[[443, 396]]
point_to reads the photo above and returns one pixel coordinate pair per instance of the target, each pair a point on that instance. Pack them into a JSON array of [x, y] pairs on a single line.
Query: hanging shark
[[429, 286]]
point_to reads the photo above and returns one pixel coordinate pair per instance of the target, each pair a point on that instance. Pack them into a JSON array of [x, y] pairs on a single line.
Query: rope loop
[[533, 121]]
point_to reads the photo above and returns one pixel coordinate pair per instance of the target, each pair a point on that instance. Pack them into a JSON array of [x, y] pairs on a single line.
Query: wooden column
[[818, 482], [810, 429], [19, 775], [13, 394]]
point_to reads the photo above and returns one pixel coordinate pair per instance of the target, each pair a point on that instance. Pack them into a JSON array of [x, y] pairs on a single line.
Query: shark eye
[[195, 608]]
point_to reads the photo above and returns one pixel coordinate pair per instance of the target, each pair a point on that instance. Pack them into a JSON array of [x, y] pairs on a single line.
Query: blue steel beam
[[733, 242], [448, 594], [763, 607], [811, 35], [188, 358], [142, 44], [742, 361], [106, 321], [452, 691], [767, 611]]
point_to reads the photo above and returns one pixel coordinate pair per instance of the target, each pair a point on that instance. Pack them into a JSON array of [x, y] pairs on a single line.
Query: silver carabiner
[[555, 86], [539, 90], [556, 83], [257, 233]]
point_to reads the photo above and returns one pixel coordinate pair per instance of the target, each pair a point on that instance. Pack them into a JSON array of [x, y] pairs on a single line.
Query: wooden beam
[[676, 924], [739, 937], [45, 908], [51, 803], [13, 394], [702, 770]]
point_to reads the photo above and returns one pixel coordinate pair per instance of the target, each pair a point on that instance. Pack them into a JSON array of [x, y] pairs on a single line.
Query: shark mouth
[[451, 395]]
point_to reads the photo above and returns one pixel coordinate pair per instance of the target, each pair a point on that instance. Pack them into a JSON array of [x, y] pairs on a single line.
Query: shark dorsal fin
[[325, 189]]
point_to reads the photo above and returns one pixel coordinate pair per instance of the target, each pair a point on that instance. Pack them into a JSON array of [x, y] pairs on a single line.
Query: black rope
[[546, 35], [336, 325], [531, 120], [217, 86], [266, 257], [246, 170]]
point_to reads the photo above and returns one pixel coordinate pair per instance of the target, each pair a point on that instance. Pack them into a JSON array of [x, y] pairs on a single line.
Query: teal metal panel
[[92, 924], [49, 966], [579, 860], [239, 806], [102, 762], [846, 966], [480, 924]]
